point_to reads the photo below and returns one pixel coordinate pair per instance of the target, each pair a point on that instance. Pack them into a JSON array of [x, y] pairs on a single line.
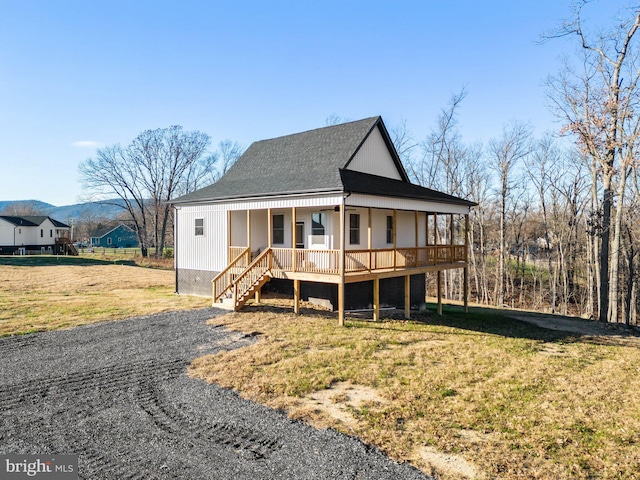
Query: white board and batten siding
[[374, 158], [209, 251], [201, 252], [7, 233]]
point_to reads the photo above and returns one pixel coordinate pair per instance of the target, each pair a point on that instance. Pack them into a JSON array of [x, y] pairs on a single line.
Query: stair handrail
[[263, 261], [223, 281]]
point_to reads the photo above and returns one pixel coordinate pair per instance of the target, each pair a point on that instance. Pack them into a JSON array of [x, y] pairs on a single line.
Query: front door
[[319, 234]]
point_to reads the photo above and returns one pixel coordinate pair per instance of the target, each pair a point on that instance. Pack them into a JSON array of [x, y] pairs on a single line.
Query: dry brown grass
[[465, 396], [37, 298]]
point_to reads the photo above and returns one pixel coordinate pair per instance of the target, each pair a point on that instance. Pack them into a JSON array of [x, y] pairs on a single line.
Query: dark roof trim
[[358, 182], [31, 220]]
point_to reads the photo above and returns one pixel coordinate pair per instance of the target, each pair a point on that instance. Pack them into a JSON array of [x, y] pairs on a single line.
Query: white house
[[20, 235], [325, 214]]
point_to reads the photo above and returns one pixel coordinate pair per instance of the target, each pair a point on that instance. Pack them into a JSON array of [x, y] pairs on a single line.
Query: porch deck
[[324, 265]]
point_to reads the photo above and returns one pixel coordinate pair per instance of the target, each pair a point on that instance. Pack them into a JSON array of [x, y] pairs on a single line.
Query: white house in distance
[[325, 214], [34, 234]]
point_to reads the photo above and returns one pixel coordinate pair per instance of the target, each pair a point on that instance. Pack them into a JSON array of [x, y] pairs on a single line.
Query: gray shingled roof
[[302, 162], [312, 162]]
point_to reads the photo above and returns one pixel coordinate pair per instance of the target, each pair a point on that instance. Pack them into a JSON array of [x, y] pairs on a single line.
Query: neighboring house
[[325, 214], [31, 234], [121, 236]]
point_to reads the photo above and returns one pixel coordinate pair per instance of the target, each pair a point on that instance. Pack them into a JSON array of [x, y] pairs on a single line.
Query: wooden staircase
[[243, 286], [68, 247]]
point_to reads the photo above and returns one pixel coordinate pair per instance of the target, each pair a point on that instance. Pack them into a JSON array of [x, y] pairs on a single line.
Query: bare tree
[[505, 153], [404, 142], [27, 208], [157, 165], [598, 104], [227, 154], [441, 150]]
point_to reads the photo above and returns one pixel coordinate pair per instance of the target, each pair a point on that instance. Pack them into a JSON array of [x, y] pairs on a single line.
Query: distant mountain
[[88, 210], [35, 204], [79, 211]]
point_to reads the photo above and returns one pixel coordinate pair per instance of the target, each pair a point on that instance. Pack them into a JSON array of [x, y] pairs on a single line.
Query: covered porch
[[339, 245]]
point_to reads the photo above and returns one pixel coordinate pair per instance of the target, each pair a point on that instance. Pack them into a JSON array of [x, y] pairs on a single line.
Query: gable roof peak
[[372, 121]]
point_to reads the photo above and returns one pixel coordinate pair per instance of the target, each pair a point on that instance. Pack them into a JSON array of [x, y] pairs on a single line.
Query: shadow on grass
[[55, 260], [540, 327], [489, 321], [479, 320]]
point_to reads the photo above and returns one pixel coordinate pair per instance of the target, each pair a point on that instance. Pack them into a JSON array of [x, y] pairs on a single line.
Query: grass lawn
[[464, 396], [40, 293]]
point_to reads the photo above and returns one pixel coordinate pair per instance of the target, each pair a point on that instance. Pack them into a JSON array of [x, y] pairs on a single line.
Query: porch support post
[[465, 294], [376, 299], [296, 296], [416, 262], [229, 237], [269, 229], [369, 238], [426, 232], [293, 238], [439, 281], [257, 296], [453, 230], [436, 238], [395, 236], [436, 233], [407, 296], [249, 229], [466, 264], [341, 266]]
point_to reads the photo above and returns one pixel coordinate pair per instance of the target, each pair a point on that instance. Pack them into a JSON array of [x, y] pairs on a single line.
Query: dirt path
[[117, 395], [617, 334]]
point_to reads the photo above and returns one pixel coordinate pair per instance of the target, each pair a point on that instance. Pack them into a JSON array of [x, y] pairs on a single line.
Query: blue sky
[[76, 75]]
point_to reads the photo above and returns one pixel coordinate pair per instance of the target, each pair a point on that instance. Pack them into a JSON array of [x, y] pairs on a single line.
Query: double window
[[199, 230]]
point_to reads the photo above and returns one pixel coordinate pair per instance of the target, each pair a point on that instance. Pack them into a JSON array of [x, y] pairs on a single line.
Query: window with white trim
[[278, 230], [389, 229], [354, 229], [199, 227]]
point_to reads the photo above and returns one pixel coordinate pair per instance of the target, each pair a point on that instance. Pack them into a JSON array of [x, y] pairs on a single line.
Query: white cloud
[[86, 144]]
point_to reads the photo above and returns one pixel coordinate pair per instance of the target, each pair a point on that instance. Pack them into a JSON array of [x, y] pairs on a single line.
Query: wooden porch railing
[[328, 261], [224, 280], [388, 258], [235, 252], [252, 278]]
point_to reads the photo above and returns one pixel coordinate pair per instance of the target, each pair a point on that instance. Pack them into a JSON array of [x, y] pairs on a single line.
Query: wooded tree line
[[558, 220]]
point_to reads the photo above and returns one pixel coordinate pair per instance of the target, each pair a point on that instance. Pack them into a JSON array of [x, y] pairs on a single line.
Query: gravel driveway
[[117, 394]]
